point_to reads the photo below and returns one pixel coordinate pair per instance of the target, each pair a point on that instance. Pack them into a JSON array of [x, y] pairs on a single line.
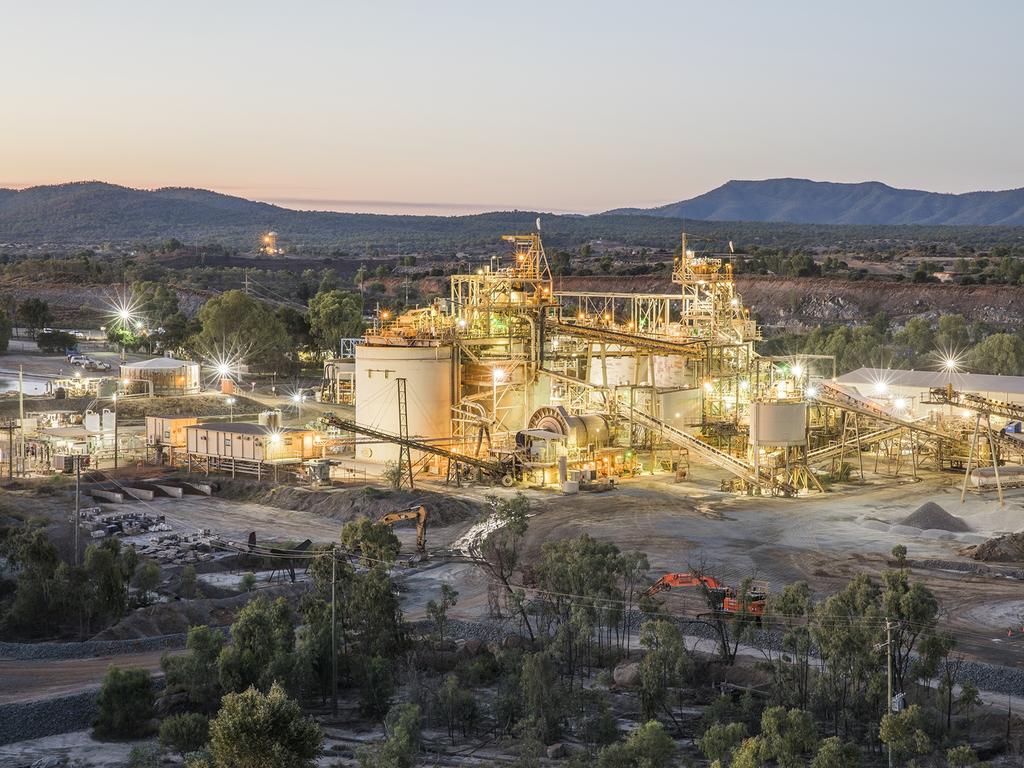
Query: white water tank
[[428, 375], [778, 423], [671, 371], [109, 418], [621, 369], [91, 421]]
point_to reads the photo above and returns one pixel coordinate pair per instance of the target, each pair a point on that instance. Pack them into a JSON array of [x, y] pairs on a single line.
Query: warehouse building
[[911, 391]]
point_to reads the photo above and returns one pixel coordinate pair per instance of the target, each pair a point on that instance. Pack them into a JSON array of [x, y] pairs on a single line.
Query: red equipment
[[721, 597]]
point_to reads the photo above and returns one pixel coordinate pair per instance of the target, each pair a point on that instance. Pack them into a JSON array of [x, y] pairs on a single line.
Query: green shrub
[[184, 733], [125, 704], [144, 756]]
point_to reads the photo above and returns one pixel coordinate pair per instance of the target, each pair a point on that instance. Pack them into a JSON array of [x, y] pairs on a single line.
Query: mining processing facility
[[509, 380]]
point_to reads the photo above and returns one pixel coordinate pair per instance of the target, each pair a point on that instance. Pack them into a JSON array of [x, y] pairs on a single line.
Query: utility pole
[[20, 415], [9, 426], [888, 675], [334, 634], [78, 503]]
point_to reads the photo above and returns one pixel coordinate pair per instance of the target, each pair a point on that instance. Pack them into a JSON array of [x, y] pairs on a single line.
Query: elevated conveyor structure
[[694, 349], [836, 397], [500, 471], [830, 452], [972, 402], [709, 453]]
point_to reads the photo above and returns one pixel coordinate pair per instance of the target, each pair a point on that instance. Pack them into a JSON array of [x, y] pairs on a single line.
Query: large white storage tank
[[621, 369], [778, 424], [671, 371], [428, 375]]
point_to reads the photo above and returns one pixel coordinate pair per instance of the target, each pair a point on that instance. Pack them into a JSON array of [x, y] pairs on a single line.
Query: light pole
[[297, 399], [231, 409]]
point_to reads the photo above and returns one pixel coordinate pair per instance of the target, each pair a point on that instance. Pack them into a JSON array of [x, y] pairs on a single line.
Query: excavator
[[419, 514], [722, 598]]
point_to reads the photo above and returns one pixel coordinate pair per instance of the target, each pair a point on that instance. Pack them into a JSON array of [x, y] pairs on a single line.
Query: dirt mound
[[350, 503], [931, 515], [176, 617], [1000, 549], [188, 405]]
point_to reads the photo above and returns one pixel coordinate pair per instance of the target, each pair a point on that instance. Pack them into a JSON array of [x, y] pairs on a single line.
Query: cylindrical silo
[[671, 371], [428, 375], [621, 370], [778, 423]]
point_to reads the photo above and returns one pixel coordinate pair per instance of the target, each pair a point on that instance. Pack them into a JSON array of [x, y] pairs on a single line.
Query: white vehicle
[[79, 360]]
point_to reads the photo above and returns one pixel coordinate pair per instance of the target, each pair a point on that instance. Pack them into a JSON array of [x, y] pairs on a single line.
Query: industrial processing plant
[[510, 380]]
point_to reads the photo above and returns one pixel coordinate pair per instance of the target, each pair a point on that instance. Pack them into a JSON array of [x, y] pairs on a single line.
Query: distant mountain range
[[766, 212], [801, 201]]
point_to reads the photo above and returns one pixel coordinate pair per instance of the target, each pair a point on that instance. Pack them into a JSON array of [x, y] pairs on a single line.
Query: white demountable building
[[163, 376]]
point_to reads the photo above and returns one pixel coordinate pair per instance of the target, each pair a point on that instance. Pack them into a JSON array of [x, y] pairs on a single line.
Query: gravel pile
[[931, 516]]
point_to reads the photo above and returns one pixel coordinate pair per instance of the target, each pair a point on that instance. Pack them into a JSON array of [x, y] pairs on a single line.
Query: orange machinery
[[721, 597], [419, 514]]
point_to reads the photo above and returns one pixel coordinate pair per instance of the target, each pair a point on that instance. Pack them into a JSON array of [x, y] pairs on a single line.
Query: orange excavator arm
[[684, 579], [419, 514], [724, 598]]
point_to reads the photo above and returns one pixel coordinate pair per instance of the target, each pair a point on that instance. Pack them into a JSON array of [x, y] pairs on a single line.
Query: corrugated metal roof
[[242, 428], [969, 382], [159, 363]]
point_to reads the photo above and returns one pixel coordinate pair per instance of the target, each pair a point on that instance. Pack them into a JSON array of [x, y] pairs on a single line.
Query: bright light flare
[[498, 374], [811, 392], [900, 404], [798, 371]]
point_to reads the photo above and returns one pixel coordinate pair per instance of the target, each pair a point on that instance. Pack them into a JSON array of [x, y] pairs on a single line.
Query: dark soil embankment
[[190, 405], [1000, 549], [176, 617], [350, 503]]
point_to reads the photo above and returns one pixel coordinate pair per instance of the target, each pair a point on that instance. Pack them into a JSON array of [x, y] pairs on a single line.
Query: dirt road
[[45, 678]]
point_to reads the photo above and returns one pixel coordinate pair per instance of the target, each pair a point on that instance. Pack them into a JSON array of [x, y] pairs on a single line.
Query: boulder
[[626, 674], [472, 646], [512, 642], [171, 704], [556, 751]]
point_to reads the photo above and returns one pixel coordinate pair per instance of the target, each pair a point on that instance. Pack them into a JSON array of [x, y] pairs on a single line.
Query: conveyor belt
[[494, 468], [694, 348], [839, 398], [976, 403], [821, 454], [709, 453]]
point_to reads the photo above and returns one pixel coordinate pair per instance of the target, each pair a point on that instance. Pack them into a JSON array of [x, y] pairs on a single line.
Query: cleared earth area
[[824, 540]]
